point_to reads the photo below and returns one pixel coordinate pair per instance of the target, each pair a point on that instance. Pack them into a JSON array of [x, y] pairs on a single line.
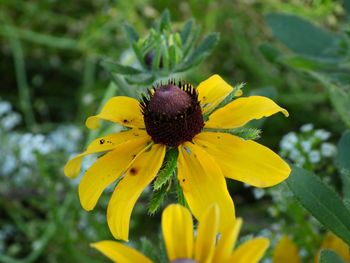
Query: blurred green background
[[52, 80]]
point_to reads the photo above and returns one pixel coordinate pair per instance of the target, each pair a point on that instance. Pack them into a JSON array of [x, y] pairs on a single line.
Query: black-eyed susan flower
[[183, 247], [172, 116]]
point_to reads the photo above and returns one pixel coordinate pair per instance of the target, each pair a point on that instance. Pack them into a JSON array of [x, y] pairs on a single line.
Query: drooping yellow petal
[[138, 176], [105, 143], [123, 110], [333, 242], [206, 235], [120, 253], [285, 251], [242, 110], [177, 226], [203, 183], [227, 242], [107, 169], [212, 91], [251, 251], [244, 160]]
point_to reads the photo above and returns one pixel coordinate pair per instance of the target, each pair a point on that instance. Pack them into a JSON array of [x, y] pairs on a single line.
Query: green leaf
[[308, 63], [204, 48], [186, 31], [329, 256], [131, 32], [157, 199], [270, 52], [165, 20], [343, 162], [243, 132], [114, 67], [340, 98], [168, 169], [321, 201], [301, 36]]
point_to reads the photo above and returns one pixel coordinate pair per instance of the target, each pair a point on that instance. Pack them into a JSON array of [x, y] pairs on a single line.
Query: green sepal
[[114, 67]]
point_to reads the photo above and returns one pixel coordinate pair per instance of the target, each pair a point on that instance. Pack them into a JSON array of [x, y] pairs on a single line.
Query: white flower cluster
[[307, 147], [19, 151]]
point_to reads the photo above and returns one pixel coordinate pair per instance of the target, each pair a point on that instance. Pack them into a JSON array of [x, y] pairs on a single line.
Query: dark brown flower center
[[172, 114]]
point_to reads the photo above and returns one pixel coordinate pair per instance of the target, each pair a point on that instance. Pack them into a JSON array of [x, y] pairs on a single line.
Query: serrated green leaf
[[321, 201], [157, 199], [329, 256], [168, 169], [172, 56], [114, 67], [301, 36], [131, 32]]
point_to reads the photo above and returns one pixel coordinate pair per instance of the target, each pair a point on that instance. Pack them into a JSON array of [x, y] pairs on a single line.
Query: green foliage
[[168, 169], [321, 201], [343, 163], [329, 256]]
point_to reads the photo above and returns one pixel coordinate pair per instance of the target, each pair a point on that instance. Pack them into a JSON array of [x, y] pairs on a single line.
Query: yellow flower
[[172, 116], [336, 244], [286, 251], [183, 247]]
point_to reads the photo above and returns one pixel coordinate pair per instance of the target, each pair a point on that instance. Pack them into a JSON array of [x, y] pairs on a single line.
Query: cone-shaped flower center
[[172, 114]]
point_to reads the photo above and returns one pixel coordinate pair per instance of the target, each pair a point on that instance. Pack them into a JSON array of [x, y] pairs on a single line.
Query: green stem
[[21, 76]]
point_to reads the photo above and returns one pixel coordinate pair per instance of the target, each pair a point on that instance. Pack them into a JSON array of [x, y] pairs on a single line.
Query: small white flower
[[328, 149], [314, 156], [307, 127], [306, 146], [10, 121], [288, 141], [322, 134], [5, 107], [295, 154], [258, 193]]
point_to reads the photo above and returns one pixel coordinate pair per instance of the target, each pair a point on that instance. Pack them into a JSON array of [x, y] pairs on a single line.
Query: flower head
[[183, 247], [172, 116]]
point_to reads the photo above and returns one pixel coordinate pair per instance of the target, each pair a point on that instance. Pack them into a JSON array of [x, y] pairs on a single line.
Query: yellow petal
[[203, 183], [206, 235], [120, 253], [123, 110], [139, 175], [227, 242], [333, 242], [105, 143], [107, 169], [244, 160], [212, 91], [242, 110], [177, 226], [251, 251], [285, 251]]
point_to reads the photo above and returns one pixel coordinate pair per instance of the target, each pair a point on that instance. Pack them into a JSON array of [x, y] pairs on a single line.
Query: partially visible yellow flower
[[182, 246], [336, 244], [172, 116], [285, 251]]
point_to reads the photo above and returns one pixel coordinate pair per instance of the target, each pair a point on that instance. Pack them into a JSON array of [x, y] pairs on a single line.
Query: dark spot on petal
[[133, 171], [183, 180], [125, 121], [133, 156], [218, 137], [102, 141]]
